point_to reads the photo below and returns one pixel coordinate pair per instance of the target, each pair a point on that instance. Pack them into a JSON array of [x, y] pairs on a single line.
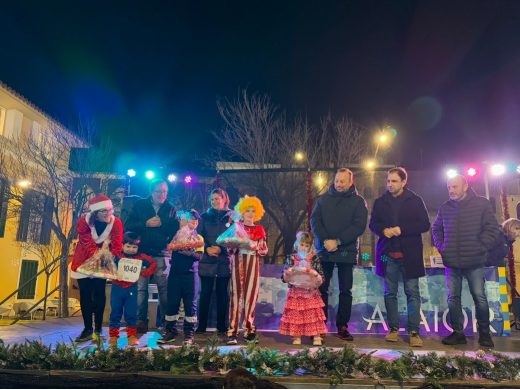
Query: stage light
[[172, 178], [518, 169], [188, 179], [451, 173], [149, 175], [131, 172], [471, 171], [498, 169]]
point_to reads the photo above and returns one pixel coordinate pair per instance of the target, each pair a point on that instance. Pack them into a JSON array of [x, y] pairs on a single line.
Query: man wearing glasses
[[154, 220]]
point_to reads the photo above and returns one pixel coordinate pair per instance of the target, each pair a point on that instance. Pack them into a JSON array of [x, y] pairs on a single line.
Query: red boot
[[131, 332]]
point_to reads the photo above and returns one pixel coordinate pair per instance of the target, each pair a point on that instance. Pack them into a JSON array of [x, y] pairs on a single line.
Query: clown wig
[[250, 201]]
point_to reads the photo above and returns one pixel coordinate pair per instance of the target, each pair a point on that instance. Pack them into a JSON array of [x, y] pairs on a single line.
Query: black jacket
[[343, 216], [212, 224], [153, 240], [464, 231], [413, 221]]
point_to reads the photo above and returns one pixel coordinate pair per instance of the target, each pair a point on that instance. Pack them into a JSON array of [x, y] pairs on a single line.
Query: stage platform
[[66, 329]]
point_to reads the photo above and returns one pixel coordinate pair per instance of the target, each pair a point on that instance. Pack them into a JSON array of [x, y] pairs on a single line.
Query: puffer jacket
[[339, 216], [464, 231]]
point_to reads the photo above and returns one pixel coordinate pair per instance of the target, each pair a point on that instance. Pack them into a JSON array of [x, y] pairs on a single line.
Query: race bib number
[[129, 270]]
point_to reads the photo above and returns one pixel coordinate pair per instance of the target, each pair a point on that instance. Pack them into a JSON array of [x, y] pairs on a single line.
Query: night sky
[[445, 74]]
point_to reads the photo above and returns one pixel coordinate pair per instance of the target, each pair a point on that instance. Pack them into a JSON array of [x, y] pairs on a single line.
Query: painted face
[[457, 187], [217, 202], [249, 216], [104, 215], [130, 249], [193, 223], [394, 184], [342, 181], [160, 193]]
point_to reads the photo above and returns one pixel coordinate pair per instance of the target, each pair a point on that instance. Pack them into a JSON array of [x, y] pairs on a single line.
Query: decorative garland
[[324, 362]]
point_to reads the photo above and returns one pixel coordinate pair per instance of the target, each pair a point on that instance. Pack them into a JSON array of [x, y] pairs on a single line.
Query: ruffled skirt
[[303, 314]]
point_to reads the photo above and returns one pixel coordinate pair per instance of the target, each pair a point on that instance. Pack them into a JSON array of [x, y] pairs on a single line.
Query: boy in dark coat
[[399, 217]]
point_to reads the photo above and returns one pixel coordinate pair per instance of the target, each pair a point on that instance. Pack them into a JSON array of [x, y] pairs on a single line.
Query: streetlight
[[383, 138], [370, 164], [299, 156], [24, 183]]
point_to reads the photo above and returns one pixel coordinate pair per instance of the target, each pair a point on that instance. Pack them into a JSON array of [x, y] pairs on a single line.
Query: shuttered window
[[28, 271], [35, 218], [4, 201]]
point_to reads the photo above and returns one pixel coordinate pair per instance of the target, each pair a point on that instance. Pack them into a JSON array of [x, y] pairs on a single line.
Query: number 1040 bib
[[128, 270]]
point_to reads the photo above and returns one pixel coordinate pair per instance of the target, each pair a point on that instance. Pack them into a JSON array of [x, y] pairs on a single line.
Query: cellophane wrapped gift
[[235, 236], [184, 239], [100, 265]]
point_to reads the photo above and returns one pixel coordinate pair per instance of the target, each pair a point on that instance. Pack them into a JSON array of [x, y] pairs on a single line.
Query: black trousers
[[221, 285], [92, 300], [345, 280]]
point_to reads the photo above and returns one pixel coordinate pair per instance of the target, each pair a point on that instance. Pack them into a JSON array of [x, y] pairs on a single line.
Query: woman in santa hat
[[99, 225]]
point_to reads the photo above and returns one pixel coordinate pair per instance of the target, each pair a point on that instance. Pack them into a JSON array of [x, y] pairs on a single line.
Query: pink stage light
[[471, 171], [188, 179]]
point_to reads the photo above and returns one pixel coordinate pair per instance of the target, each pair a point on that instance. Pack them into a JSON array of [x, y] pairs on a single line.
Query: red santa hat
[[99, 202]]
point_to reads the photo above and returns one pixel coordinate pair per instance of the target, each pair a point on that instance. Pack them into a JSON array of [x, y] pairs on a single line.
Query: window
[[35, 218], [4, 202], [13, 124], [28, 271], [36, 133], [2, 120]]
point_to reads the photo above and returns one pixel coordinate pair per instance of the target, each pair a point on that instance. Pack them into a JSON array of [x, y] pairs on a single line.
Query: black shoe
[[142, 327], [232, 340], [251, 337], [344, 334], [484, 340], [168, 337], [455, 338], [86, 334]]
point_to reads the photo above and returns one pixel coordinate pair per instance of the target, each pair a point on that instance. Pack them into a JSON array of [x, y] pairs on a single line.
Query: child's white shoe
[[297, 341], [317, 340]]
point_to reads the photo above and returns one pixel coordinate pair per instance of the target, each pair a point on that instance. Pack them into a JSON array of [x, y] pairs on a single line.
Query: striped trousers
[[245, 283]]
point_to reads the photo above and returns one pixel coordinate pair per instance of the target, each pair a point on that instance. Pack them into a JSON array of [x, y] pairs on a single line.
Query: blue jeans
[[413, 298], [161, 279], [123, 301], [476, 282]]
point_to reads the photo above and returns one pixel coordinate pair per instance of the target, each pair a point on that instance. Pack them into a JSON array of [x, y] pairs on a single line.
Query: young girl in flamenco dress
[[303, 314]]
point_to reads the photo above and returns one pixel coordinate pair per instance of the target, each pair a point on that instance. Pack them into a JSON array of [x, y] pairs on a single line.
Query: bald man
[[463, 232]]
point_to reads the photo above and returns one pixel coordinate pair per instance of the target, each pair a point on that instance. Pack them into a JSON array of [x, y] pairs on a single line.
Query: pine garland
[[324, 362]]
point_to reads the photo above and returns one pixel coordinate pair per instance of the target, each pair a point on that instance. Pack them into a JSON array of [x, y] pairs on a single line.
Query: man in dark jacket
[[399, 217], [155, 221], [463, 232], [339, 217]]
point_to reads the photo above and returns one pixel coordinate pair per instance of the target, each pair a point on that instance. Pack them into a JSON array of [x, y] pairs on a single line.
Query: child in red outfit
[[123, 296], [245, 270], [303, 314]]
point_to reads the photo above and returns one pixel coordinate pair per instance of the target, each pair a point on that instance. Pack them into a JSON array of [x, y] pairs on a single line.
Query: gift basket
[[100, 265], [235, 236], [184, 239], [301, 275]]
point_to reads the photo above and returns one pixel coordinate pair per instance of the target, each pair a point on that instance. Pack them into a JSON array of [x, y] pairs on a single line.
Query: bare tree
[[257, 132], [43, 159]]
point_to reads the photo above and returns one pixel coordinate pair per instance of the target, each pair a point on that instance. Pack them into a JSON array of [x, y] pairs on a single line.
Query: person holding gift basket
[[247, 242], [303, 314], [123, 296], [100, 233], [187, 248]]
